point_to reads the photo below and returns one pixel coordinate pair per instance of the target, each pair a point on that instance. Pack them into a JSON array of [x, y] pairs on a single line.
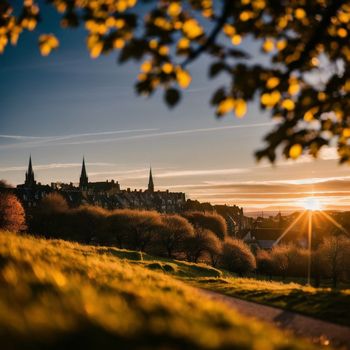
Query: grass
[[323, 303], [62, 295]]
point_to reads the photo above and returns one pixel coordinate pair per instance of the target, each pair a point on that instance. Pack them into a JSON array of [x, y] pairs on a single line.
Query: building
[[107, 194]]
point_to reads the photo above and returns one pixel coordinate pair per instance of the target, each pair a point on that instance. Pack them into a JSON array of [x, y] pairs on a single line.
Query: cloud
[[37, 141], [52, 166], [168, 133], [160, 173], [145, 134], [333, 192]]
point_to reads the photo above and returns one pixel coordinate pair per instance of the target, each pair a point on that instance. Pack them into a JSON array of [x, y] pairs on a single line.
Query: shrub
[[173, 234], [84, 223], [237, 257], [203, 242], [279, 256], [335, 252], [297, 261], [214, 250], [53, 203], [140, 227], [114, 230], [264, 262], [289, 260], [210, 221], [12, 217]]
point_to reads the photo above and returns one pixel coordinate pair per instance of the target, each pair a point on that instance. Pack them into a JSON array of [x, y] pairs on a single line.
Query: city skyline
[[267, 190]]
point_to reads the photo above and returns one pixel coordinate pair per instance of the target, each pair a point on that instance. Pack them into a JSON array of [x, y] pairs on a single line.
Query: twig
[[211, 39]]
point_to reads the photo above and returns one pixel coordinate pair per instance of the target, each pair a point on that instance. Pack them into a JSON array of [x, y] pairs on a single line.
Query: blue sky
[[64, 106]]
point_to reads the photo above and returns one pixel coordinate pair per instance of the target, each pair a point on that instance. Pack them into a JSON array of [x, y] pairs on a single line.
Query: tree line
[[192, 236]]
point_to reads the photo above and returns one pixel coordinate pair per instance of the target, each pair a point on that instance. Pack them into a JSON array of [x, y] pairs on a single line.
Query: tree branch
[[211, 38], [329, 12]]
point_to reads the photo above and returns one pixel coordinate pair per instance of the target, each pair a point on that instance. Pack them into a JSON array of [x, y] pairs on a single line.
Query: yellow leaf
[[347, 86], [275, 96], [240, 108], [153, 44], [174, 9], [281, 44], [344, 17], [272, 82], [45, 49], [236, 39], [47, 42], [96, 50], [192, 28], [246, 15], [229, 30], [295, 151], [163, 50], [146, 66], [321, 96], [288, 104], [225, 106], [183, 44], [183, 78], [142, 77], [167, 68], [293, 89], [118, 43], [346, 132], [342, 32], [271, 99], [308, 116], [300, 13], [268, 45]]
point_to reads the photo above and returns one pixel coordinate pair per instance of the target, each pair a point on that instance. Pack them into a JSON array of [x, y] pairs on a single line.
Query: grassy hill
[[324, 303], [67, 296]]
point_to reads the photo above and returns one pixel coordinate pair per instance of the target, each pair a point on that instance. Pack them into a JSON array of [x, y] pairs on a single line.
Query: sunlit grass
[[325, 303], [64, 295]]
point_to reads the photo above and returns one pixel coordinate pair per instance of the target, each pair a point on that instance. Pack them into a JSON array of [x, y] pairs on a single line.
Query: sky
[[66, 106]]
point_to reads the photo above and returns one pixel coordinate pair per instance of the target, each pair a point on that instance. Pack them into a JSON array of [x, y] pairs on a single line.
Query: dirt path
[[320, 332]]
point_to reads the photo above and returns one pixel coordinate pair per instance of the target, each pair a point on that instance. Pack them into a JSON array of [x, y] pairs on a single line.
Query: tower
[[30, 180], [150, 181], [84, 181]]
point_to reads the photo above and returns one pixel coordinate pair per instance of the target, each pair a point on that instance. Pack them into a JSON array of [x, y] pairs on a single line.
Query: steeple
[[30, 180], [150, 181], [84, 181]]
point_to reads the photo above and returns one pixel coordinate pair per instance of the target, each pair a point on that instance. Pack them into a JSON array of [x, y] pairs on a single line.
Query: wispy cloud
[[52, 166], [160, 173], [169, 133], [37, 141], [333, 192], [144, 134]]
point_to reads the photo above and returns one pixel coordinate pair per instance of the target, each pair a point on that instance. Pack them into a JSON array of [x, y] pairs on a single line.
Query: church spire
[[150, 181], [84, 181], [30, 180]]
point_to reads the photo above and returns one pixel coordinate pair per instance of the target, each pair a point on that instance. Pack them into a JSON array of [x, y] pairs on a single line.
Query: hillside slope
[[67, 296]]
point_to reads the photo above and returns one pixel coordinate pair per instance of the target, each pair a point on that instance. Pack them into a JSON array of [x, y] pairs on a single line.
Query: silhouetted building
[[150, 181], [30, 180], [84, 181], [106, 194]]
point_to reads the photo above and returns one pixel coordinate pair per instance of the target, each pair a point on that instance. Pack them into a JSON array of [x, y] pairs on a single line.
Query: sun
[[311, 203]]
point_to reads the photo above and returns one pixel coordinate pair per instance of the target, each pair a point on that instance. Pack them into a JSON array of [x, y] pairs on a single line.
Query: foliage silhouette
[[299, 41]]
